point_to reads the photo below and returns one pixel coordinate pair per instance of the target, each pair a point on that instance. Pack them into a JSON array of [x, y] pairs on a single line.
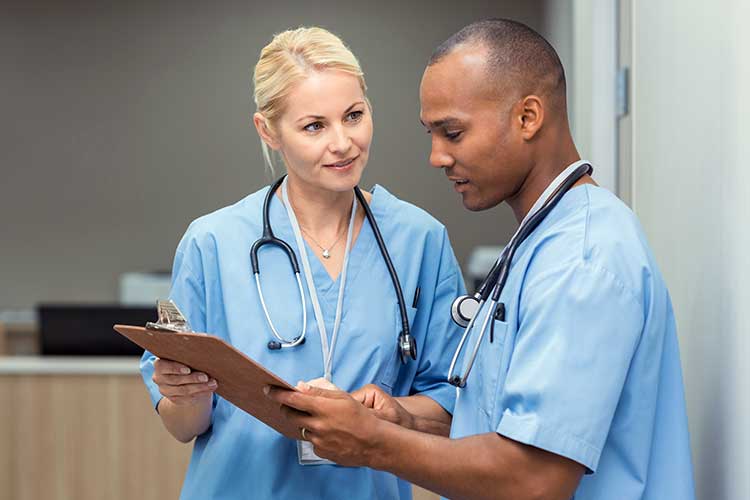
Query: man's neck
[[540, 176]]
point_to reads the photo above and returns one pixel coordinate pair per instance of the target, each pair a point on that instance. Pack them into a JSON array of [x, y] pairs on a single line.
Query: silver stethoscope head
[[464, 308]]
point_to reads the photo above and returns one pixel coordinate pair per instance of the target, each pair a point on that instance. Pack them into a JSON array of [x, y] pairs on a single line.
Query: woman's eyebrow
[[310, 117], [319, 117]]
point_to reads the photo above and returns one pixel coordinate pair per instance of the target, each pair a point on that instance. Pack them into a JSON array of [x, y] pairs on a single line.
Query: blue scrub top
[[586, 364], [212, 283]]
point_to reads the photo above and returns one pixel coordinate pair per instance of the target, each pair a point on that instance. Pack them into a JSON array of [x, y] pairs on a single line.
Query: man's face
[[475, 135]]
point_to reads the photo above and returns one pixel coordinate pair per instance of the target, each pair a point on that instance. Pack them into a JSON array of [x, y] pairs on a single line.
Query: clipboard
[[240, 379]]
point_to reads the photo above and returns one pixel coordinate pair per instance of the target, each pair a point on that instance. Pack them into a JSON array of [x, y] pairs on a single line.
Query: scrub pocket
[[393, 360], [488, 366]]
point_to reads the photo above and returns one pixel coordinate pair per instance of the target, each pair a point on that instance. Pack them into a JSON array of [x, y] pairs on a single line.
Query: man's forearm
[[476, 467]]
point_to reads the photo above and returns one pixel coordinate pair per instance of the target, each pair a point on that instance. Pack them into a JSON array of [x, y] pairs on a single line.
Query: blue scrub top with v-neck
[[212, 283], [586, 364]]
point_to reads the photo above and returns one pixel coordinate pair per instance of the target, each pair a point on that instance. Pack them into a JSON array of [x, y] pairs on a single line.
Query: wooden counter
[[84, 429]]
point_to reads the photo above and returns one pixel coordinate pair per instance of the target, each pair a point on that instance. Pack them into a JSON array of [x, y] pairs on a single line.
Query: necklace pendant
[[326, 254]]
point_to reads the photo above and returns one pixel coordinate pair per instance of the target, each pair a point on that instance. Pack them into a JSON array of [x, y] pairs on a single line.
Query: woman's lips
[[342, 165]]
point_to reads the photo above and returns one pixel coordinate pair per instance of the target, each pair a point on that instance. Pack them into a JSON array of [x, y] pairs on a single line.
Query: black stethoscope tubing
[[407, 346], [493, 284]]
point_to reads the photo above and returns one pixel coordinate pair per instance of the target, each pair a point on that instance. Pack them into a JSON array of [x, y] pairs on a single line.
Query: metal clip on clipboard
[[170, 318]]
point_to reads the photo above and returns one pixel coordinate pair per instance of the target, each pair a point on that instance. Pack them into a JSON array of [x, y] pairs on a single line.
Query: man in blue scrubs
[[579, 393]]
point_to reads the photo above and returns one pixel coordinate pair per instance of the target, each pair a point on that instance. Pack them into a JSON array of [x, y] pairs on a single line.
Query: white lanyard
[[327, 352], [539, 203]]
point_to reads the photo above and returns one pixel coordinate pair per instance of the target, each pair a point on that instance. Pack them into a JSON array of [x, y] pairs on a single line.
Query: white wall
[[591, 71], [691, 190]]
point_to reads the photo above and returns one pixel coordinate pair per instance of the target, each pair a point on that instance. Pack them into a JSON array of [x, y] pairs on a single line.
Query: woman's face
[[325, 132]]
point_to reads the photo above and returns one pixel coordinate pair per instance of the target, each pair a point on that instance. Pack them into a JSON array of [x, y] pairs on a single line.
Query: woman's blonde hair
[[289, 58]]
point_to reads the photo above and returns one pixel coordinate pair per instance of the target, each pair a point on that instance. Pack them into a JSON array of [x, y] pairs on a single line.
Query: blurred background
[[124, 121]]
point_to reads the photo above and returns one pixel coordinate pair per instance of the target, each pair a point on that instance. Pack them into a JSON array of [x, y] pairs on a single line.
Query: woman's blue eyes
[[350, 117], [314, 127], [354, 115]]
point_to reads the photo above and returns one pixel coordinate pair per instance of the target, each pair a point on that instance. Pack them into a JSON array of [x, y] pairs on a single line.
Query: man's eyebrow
[[448, 121]]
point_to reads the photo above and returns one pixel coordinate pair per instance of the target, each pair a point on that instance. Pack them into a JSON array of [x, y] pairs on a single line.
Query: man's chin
[[473, 204]]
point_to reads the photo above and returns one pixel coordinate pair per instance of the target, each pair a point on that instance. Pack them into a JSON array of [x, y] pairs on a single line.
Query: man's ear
[[530, 116], [265, 133]]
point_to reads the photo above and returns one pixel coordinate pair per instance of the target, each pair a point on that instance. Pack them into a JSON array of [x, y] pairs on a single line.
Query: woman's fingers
[[168, 372], [168, 367], [318, 382], [170, 379], [187, 390]]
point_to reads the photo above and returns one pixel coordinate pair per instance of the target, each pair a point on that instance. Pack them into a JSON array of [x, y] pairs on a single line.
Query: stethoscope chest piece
[[463, 309], [407, 347]]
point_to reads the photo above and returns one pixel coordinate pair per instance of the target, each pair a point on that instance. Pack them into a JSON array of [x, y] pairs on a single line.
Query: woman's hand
[[182, 386], [188, 399], [320, 382]]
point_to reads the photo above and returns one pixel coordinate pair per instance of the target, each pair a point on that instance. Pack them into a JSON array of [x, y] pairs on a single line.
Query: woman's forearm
[[186, 422], [427, 415]]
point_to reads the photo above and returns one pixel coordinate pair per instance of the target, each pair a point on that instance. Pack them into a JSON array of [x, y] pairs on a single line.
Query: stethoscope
[[407, 346], [465, 309]]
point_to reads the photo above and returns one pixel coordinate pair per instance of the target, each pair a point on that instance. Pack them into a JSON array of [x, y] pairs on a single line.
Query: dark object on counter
[[86, 329]]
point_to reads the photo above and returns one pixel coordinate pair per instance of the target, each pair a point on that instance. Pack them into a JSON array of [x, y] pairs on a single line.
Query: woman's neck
[[322, 213]]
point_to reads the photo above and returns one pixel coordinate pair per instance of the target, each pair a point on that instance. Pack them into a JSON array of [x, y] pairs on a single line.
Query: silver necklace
[[326, 251]]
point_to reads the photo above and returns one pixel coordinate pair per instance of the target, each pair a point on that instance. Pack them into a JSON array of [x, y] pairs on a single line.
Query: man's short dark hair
[[518, 57]]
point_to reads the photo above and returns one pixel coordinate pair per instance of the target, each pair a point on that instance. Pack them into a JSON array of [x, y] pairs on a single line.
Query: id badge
[[307, 456]]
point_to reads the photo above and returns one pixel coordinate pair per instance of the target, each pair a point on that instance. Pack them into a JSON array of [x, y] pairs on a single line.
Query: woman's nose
[[341, 142]]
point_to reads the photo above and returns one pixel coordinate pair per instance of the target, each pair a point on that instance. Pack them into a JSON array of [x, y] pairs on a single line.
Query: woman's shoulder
[[244, 215], [405, 215]]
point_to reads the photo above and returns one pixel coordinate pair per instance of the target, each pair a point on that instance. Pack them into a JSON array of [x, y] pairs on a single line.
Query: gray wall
[[123, 121]]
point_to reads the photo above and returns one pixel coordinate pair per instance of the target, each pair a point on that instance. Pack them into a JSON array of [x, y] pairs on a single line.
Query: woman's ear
[[265, 133], [531, 116]]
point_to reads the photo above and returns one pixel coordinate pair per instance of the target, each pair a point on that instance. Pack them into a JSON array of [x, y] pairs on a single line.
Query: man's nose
[[439, 158]]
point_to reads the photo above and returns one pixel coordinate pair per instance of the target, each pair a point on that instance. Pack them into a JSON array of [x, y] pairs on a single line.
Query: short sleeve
[[442, 334], [578, 328], [188, 292]]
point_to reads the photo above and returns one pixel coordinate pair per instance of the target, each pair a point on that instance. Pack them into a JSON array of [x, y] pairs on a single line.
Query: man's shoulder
[[596, 228]]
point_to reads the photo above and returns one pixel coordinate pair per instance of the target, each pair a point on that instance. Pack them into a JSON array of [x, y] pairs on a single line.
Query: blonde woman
[[369, 304]]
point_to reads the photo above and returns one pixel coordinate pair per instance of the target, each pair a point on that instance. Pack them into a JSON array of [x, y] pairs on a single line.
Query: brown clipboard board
[[240, 379]]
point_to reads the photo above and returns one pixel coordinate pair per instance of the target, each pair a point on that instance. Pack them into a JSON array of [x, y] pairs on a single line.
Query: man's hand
[[340, 428], [383, 405]]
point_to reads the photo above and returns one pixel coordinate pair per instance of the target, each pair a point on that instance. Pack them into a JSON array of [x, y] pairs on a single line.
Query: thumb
[[360, 395]]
